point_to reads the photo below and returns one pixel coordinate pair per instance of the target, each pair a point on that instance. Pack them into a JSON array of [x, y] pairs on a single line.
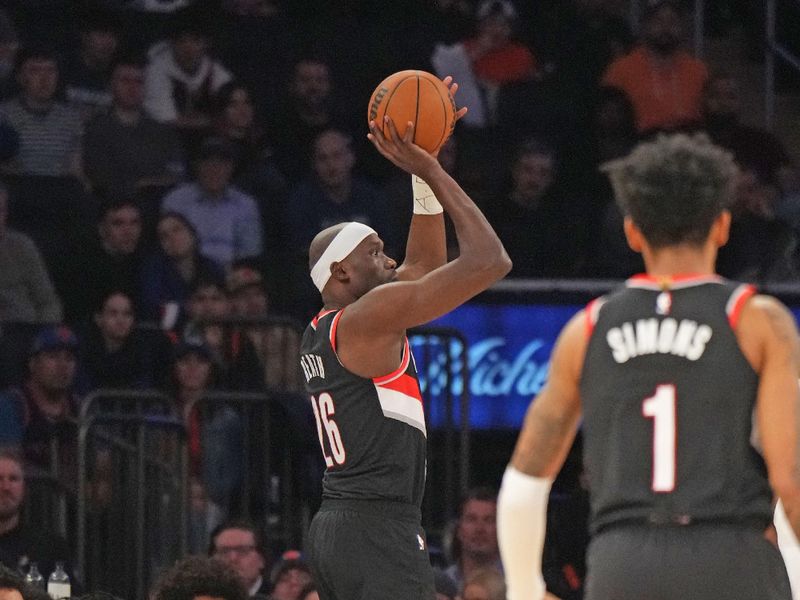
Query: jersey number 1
[[323, 414], [661, 408]]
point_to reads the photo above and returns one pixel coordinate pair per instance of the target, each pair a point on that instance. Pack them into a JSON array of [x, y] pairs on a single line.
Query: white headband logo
[[340, 248]]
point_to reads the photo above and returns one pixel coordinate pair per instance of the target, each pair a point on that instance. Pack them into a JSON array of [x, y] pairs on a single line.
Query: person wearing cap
[[664, 82], [227, 220], [366, 541], [215, 433], [37, 412], [182, 76]]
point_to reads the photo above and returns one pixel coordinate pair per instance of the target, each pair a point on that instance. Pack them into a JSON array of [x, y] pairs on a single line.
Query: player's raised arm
[[391, 309], [426, 246]]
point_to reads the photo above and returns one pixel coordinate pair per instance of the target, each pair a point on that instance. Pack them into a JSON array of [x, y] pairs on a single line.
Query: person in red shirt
[[664, 82]]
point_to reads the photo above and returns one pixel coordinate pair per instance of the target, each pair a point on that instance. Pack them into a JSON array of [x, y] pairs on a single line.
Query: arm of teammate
[[390, 309], [426, 247], [777, 364], [546, 437]]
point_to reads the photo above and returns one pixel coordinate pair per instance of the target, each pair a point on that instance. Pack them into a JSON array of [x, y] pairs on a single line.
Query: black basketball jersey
[[668, 400], [372, 431]]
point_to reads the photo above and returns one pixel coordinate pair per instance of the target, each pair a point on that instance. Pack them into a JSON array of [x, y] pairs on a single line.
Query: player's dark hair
[[674, 187], [199, 576]]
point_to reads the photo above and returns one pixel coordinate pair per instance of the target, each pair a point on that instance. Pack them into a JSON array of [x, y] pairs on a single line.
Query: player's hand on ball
[[453, 87], [402, 151]]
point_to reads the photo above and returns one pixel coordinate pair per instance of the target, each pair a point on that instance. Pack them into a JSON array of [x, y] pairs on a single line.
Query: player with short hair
[[671, 376], [366, 541]]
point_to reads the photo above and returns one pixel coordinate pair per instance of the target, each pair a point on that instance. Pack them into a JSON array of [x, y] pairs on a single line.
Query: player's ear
[[721, 228], [339, 271], [633, 234]]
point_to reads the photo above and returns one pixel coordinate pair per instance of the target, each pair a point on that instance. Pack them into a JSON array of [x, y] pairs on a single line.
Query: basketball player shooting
[[366, 541], [671, 376]]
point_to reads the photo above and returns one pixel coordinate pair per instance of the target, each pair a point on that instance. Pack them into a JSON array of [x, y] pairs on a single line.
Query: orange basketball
[[419, 97]]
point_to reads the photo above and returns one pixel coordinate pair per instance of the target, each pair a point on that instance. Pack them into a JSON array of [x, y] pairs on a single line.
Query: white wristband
[[425, 202], [521, 525]]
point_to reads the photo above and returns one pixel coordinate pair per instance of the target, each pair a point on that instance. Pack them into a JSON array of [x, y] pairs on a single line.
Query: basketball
[[419, 97]]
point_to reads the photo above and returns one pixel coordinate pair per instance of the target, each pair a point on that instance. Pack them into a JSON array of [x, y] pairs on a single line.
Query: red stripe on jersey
[[672, 281], [334, 325], [321, 314], [591, 316], [405, 384], [740, 296], [399, 370]]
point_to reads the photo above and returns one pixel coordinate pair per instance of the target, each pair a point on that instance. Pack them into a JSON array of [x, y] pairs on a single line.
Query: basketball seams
[[416, 110], [389, 99], [444, 111]]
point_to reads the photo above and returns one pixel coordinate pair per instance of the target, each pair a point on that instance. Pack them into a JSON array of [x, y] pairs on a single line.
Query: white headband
[[340, 248]]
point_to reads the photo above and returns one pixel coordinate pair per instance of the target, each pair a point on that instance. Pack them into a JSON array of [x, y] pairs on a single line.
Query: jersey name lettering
[[312, 366], [653, 336]]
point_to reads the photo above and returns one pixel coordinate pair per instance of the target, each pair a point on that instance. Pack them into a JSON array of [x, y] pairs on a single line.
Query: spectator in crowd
[[541, 222], [26, 291], [173, 270], [255, 171], [614, 136], [752, 147], [9, 46], [332, 195], [289, 577], [215, 433], [199, 578], [240, 544], [233, 354], [49, 131], [475, 544], [38, 413], [182, 77], [21, 542], [277, 345], [110, 262], [310, 109], [87, 71], [664, 82], [485, 584], [125, 150], [12, 587], [762, 247], [226, 219], [113, 354], [487, 61]]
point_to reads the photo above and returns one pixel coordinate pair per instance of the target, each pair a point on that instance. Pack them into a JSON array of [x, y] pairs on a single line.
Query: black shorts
[[370, 550], [696, 562]]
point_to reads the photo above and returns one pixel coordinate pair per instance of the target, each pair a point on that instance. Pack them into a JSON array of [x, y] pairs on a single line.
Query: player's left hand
[[453, 87]]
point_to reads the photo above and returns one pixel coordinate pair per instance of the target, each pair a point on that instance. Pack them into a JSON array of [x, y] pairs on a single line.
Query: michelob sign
[[508, 356]]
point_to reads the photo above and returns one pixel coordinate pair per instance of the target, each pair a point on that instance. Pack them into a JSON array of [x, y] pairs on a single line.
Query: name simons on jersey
[[653, 336]]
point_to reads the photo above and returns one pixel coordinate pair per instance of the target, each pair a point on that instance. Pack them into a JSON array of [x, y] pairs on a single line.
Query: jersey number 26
[[323, 414]]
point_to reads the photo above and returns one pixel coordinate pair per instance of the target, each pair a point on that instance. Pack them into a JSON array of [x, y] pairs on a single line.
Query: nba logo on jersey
[[663, 303], [421, 542]]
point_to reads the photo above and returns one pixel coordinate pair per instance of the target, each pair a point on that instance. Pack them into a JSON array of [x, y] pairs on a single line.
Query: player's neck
[[680, 260]]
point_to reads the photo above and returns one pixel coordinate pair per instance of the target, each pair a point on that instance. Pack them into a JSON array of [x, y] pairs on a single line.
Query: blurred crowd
[[164, 165]]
